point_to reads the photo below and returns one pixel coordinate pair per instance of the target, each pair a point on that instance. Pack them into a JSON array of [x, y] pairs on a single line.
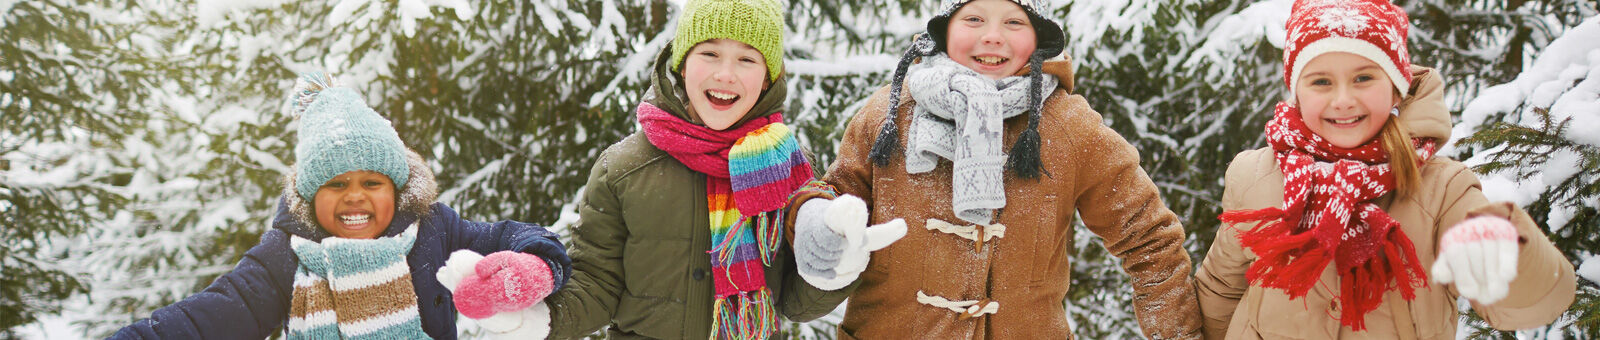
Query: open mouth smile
[[355, 220], [991, 60], [1346, 122], [722, 100]]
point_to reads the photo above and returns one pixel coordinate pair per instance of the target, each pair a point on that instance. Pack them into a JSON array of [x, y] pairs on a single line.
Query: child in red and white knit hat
[[1330, 228]]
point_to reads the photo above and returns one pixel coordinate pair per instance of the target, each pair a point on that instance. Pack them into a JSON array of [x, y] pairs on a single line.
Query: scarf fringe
[[1406, 275], [1287, 260], [744, 316], [769, 235], [1294, 261]]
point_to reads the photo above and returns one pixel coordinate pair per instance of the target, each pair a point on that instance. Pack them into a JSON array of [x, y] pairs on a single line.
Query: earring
[[1394, 111]]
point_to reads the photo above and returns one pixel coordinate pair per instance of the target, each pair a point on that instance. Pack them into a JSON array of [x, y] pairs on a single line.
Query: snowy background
[[141, 143]]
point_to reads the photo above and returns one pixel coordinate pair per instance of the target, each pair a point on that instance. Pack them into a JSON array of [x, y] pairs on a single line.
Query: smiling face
[[992, 37], [356, 204], [723, 79], [1345, 98]]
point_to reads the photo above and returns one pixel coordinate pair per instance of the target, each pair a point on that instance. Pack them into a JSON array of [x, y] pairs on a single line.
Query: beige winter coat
[[1089, 171], [1235, 309]]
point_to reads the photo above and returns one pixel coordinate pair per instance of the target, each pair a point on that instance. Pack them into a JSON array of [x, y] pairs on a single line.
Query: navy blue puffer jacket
[[252, 301]]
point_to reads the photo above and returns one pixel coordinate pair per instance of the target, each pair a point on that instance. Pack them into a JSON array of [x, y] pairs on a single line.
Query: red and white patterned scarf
[[1328, 216]]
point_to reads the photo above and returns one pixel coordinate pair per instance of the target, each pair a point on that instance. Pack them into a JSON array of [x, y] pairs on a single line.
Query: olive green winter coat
[[639, 250]]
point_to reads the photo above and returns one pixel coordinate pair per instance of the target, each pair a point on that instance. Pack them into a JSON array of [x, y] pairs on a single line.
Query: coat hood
[[667, 92], [1423, 111], [296, 216]]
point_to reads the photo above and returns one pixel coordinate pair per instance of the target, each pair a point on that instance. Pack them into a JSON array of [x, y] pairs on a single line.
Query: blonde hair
[[1402, 156]]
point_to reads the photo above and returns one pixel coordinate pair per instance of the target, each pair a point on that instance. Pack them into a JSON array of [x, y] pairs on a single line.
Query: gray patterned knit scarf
[[960, 115]]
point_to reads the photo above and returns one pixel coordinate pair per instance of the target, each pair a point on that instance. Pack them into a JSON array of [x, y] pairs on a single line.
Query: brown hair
[[1402, 156]]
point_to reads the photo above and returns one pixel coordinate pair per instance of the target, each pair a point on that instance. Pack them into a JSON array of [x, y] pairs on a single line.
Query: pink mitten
[[1479, 255], [505, 281]]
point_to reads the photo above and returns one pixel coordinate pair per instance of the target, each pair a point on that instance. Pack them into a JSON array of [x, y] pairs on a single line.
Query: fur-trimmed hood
[[413, 203]]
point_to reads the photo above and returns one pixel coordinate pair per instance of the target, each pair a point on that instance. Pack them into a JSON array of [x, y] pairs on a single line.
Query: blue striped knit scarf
[[354, 289]]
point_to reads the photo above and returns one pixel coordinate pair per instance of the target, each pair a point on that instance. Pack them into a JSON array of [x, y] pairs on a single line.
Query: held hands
[[832, 240], [498, 291], [1480, 256]]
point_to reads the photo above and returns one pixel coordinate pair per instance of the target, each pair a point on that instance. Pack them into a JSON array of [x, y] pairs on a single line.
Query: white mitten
[[460, 264], [530, 323], [846, 217], [1480, 256]]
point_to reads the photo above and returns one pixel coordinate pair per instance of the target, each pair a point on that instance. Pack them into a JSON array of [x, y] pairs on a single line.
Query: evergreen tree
[[1544, 155], [142, 154], [74, 86]]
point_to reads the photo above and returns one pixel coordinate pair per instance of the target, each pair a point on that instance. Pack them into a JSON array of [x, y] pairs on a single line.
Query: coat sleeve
[[801, 301], [850, 173], [1120, 203], [1545, 284], [1220, 281], [250, 302], [598, 238], [486, 238]]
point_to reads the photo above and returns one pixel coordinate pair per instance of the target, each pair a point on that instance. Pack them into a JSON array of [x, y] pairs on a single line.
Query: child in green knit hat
[[680, 233]]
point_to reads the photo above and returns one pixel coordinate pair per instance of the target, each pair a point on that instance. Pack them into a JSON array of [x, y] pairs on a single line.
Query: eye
[[1017, 22], [1321, 82], [748, 60], [373, 183], [1364, 78], [972, 19], [708, 54], [336, 184]]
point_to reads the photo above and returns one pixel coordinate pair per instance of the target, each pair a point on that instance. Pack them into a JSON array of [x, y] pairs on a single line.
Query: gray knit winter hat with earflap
[[1024, 155]]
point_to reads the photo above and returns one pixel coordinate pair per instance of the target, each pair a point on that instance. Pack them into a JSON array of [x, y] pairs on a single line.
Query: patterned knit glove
[[504, 281], [832, 240], [1480, 256]]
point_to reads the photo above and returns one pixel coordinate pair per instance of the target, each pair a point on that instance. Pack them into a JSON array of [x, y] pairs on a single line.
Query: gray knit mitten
[[816, 248], [833, 242]]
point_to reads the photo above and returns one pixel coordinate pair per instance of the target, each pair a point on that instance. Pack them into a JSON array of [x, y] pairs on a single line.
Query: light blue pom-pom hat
[[339, 133]]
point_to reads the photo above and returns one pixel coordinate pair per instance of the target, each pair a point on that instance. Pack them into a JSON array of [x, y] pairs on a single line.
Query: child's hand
[[832, 257], [504, 321], [1480, 256], [504, 281]]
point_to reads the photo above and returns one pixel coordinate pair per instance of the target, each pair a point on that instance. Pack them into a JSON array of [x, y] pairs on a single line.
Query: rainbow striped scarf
[[354, 289], [750, 170]]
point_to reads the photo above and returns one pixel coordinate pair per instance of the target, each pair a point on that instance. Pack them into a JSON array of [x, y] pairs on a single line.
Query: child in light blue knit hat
[[359, 248]]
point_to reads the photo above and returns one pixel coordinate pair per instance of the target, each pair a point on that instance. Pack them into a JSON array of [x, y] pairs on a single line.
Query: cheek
[[1022, 42], [752, 79], [1312, 120], [1311, 104], [324, 205], [693, 75], [959, 41], [324, 202], [1378, 101], [383, 204], [693, 84], [384, 198]]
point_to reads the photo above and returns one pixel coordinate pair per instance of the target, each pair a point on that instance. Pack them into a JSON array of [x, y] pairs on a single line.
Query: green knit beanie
[[758, 23], [339, 133]]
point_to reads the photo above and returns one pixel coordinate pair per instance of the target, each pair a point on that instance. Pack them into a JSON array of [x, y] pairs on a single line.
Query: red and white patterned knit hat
[[1374, 29]]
